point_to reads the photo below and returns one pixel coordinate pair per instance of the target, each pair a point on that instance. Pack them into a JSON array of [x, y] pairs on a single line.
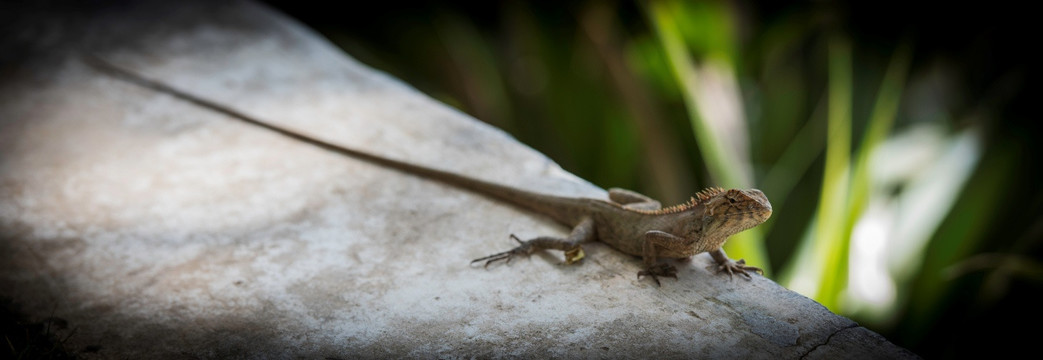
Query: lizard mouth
[[764, 215], [746, 212]]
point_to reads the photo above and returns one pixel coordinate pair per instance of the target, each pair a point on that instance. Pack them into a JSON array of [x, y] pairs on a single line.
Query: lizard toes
[[494, 258], [655, 271], [738, 267], [742, 263], [524, 249]]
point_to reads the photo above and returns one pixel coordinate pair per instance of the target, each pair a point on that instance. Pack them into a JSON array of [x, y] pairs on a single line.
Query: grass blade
[[719, 130]]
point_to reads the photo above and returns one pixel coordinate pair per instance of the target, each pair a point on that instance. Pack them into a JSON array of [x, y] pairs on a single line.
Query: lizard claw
[[740, 267], [494, 258], [655, 271], [523, 249]]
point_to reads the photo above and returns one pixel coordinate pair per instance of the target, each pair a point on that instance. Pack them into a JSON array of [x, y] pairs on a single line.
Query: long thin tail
[[561, 209]]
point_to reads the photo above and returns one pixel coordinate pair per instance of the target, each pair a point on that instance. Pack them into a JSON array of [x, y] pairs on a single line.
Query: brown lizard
[[628, 221]]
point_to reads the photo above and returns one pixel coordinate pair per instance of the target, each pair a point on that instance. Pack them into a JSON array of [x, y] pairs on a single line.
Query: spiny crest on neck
[[699, 198], [707, 193]]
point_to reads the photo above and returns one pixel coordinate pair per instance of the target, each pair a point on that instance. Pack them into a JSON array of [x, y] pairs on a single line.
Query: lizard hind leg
[[633, 200], [583, 232]]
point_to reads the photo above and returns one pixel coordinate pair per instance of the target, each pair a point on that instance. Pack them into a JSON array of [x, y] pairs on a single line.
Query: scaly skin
[[635, 224], [629, 222]]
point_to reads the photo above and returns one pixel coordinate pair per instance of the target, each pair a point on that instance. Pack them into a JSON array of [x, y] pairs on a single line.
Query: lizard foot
[[524, 249], [655, 271], [740, 267]]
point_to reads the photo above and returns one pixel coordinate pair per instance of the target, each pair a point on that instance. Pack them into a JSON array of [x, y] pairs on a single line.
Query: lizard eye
[[731, 200]]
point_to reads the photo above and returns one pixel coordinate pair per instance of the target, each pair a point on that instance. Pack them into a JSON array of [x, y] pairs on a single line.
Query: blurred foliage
[[895, 142]]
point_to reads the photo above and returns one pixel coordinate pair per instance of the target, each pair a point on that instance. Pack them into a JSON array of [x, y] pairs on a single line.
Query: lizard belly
[[626, 232], [679, 253], [619, 235]]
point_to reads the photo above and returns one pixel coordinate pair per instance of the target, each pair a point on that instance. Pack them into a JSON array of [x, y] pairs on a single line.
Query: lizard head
[[728, 212]]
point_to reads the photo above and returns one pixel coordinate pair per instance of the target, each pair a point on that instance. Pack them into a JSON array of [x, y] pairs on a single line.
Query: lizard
[[628, 221]]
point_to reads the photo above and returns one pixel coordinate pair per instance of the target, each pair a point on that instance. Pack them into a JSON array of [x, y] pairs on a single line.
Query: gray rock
[[157, 228]]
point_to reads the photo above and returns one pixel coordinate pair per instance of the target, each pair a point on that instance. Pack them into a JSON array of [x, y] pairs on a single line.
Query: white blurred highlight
[[929, 169]]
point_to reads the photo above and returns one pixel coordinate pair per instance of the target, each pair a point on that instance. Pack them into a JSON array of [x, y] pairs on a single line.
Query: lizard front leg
[[731, 266], [651, 242], [583, 232]]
